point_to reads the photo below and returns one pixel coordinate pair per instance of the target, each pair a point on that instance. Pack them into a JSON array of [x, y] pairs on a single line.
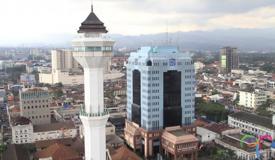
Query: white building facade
[[206, 135], [23, 133], [63, 60], [22, 130], [59, 76], [53, 131], [65, 69], [252, 99], [198, 66], [271, 84]]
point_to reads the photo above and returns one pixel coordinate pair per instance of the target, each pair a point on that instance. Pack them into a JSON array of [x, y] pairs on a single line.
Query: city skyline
[[165, 96], [40, 19]]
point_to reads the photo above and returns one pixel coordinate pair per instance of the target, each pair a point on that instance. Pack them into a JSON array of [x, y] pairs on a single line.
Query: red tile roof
[[217, 128], [123, 153], [58, 152], [200, 122]]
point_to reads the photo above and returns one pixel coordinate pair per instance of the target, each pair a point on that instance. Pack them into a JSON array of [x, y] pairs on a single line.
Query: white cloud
[[259, 18], [29, 20]]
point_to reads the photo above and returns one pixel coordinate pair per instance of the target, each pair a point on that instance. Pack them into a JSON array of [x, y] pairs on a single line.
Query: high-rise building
[[63, 60], [35, 105], [65, 69], [93, 49], [229, 59], [160, 94]]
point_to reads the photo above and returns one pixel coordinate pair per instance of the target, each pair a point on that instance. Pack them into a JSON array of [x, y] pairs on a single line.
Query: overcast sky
[[27, 20]]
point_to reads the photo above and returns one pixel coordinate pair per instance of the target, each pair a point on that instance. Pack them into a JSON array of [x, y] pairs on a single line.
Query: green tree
[[58, 93], [59, 85], [213, 111], [30, 147], [15, 72], [268, 67], [262, 109], [215, 92], [224, 154], [244, 67], [2, 148]]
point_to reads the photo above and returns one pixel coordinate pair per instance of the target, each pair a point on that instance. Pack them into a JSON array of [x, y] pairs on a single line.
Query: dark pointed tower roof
[[92, 24]]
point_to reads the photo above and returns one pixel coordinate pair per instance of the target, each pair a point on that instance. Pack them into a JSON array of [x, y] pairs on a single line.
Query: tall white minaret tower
[[92, 49]]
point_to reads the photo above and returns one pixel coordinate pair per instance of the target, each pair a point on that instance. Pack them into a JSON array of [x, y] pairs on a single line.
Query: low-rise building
[[70, 78], [242, 148], [271, 108], [13, 111], [252, 98], [110, 129], [27, 79], [23, 131], [253, 72], [122, 153], [212, 131], [58, 151], [178, 144], [51, 131], [271, 84], [59, 76], [112, 140], [252, 123], [66, 113], [237, 71]]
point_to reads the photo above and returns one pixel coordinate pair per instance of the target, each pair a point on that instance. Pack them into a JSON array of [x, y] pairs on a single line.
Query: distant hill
[[244, 39]]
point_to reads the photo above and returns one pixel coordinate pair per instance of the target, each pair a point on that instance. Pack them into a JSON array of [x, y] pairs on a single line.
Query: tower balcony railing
[[99, 114]]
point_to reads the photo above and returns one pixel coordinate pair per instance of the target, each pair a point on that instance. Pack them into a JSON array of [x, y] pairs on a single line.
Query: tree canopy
[[213, 111]]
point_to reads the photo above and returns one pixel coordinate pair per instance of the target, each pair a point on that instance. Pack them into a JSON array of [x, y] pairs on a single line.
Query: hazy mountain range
[[244, 39]]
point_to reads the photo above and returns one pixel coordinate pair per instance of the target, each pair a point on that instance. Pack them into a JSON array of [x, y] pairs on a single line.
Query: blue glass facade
[[166, 88]]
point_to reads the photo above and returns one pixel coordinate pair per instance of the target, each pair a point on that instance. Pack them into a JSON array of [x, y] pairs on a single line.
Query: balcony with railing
[[99, 114]]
